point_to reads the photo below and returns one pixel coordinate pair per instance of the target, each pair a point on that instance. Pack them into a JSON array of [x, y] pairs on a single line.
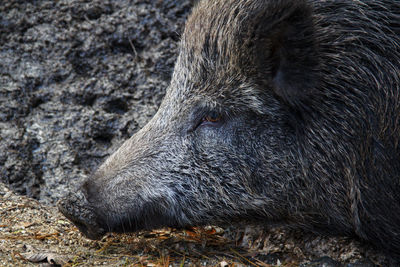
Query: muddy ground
[[77, 78]]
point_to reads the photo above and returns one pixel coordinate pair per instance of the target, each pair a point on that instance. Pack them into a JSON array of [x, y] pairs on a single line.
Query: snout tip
[[79, 212]]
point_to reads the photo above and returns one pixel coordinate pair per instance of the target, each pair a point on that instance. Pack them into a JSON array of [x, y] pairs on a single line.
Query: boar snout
[[77, 209]]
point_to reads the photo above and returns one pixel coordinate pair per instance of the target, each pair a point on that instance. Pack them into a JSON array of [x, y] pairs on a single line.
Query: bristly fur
[[307, 97]]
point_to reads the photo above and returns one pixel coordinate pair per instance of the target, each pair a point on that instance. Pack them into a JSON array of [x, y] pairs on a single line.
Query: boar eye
[[212, 117]]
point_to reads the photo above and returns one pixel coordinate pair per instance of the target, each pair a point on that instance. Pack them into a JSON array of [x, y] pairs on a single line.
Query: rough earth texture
[[76, 79]]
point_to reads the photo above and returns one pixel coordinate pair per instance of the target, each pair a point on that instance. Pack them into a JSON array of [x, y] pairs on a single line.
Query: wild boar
[[278, 111]]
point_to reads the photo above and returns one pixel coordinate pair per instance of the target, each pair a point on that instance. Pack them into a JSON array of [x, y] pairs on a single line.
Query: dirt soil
[[77, 78]]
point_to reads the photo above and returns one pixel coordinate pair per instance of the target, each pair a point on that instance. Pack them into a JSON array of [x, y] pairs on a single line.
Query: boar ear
[[286, 50]]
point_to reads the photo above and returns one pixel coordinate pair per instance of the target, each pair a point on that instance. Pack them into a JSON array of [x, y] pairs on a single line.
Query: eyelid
[[203, 122]]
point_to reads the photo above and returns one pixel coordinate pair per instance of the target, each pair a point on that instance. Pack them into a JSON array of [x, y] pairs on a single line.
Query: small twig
[[44, 236], [133, 48], [165, 261], [16, 253], [183, 261], [238, 254], [106, 245]]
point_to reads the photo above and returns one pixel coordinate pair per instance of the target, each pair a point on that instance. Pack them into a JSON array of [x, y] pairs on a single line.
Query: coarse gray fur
[[304, 98]]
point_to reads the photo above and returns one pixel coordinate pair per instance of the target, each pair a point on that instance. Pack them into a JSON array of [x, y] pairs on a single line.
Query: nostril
[[79, 212]]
